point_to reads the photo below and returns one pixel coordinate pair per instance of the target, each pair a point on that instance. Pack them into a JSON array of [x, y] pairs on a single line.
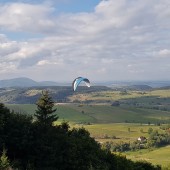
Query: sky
[[103, 40]]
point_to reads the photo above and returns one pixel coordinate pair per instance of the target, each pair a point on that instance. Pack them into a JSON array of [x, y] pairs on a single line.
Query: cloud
[[7, 47], [125, 39], [164, 53], [26, 17], [7, 67]]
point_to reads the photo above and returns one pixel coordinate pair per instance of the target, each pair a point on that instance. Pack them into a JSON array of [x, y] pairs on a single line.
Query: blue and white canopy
[[78, 80]]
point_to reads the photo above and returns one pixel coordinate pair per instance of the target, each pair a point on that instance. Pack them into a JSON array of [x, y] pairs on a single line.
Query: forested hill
[[29, 95], [24, 82], [27, 144], [27, 91]]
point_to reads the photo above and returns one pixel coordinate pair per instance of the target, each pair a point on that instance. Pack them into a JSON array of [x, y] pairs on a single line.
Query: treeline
[[154, 140], [28, 143], [17, 95]]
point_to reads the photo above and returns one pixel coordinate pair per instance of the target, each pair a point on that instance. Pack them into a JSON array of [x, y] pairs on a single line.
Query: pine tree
[[4, 162], [45, 113]]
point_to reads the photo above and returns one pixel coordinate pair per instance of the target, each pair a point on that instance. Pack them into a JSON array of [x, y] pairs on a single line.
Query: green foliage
[[157, 140], [166, 167], [143, 165], [15, 133], [128, 129], [150, 130], [141, 130], [4, 161], [33, 146], [120, 147], [45, 112], [100, 113], [135, 146], [165, 127]]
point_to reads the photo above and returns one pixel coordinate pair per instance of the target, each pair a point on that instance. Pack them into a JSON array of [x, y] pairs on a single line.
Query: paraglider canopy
[[78, 80]]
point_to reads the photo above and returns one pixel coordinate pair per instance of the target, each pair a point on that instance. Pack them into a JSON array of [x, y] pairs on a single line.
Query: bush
[[4, 162], [34, 145]]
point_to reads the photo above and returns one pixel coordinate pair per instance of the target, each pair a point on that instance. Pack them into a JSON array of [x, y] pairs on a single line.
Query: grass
[[120, 130], [116, 95], [104, 118], [100, 113], [135, 107], [159, 156], [109, 120], [22, 108]]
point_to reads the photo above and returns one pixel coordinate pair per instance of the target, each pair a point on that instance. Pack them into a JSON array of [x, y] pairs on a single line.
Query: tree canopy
[[45, 112], [58, 147]]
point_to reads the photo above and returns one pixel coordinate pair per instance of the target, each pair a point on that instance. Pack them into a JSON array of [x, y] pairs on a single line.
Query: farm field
[[100, 113], [156, 156], [136, 113], [105, 122], [125, 132], [86, 114], [119, 95], [159, 156]]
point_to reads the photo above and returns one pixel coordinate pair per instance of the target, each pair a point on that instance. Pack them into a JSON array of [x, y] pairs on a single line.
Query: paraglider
[[78, 80]]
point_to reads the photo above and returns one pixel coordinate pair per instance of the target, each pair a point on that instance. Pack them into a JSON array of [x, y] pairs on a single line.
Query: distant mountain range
[[125, 84], [24, 90], [26, 82]]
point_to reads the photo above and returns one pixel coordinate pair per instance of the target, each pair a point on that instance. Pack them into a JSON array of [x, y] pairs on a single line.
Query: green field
[[101, 113], [120, 131], [118, 95], [104, 120], [136, 111], [159, 156]]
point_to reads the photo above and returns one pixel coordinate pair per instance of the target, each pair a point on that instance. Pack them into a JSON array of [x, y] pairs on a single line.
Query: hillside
[[132, 95], [138, 87], [28, 95], [84, 114], [24, 82]]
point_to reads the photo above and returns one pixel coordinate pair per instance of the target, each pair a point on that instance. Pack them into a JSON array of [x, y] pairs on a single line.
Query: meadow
[[83, 113], [138, 111], [129, 132], [107, 129], [105, 124], [159, 156], [123, 94]]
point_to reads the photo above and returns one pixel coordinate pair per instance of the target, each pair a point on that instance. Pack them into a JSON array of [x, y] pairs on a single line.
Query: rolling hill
[[24, 82], [29, 95]]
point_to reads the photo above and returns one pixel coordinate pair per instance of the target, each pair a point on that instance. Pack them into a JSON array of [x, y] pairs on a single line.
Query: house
[[141, 139]]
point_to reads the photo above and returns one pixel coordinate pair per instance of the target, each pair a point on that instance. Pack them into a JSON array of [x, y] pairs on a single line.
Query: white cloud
[[164, 53], [43, 62], [7, 67], [46, 62], [123, 39], [26, 17]]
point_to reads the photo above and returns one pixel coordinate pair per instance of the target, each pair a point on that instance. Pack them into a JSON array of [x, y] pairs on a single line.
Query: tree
[[4, 113], [45, 113], [128, 129], [4, 162], [141, 130], [150, 130]]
